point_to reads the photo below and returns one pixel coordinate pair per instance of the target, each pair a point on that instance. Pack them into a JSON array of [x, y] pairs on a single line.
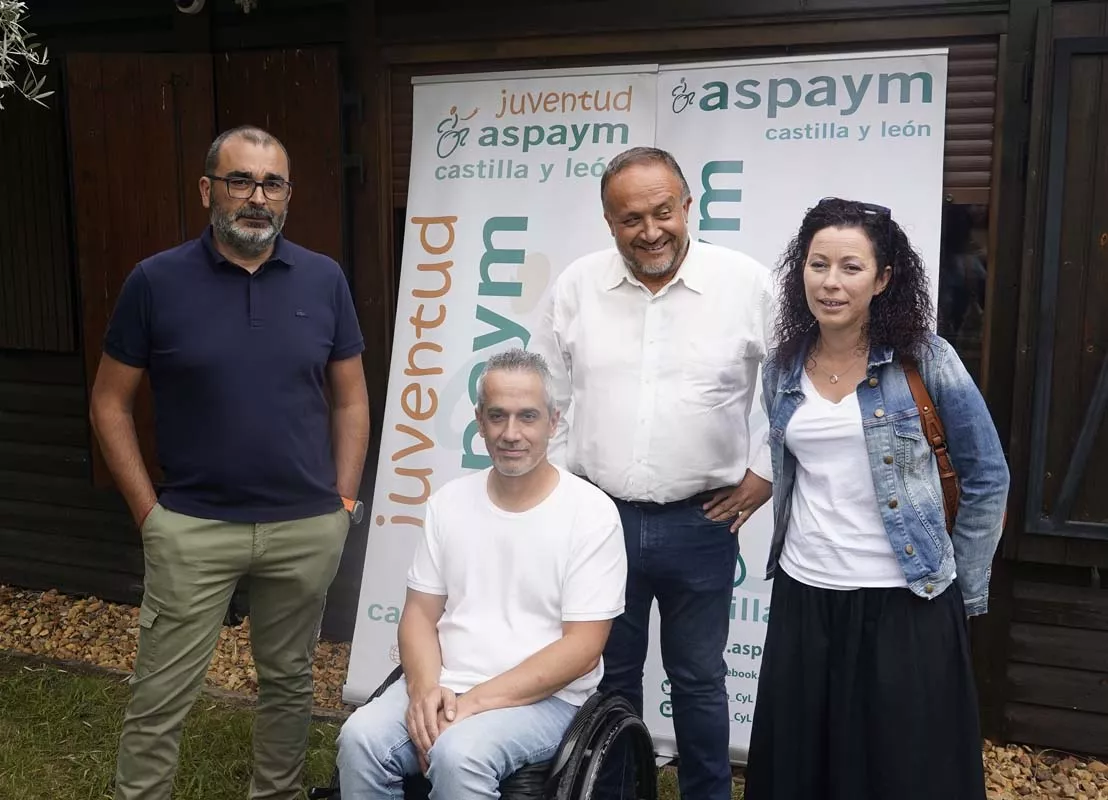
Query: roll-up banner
[[504, 193]]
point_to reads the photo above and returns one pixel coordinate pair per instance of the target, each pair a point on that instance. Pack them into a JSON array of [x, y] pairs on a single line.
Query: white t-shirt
[[512, 579], [836, 537]]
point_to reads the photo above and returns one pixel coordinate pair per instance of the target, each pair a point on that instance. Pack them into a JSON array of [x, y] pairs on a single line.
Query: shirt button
[[879, 413], [888, 459], [909, 550], [873, 381], [893, 503], [928, 588]]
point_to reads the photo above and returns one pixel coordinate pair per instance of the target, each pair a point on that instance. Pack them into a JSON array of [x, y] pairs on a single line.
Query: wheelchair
[[601, 723]]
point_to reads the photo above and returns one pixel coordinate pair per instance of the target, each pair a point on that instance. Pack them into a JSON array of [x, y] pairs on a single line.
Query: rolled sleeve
[[127, 339], [597, 576], [761, 463]]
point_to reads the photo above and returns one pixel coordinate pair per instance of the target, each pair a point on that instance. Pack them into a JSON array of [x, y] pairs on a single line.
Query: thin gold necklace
[[813, 362]]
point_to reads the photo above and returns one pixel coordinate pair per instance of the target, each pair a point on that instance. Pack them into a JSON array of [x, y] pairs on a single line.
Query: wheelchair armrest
[[393, 677]]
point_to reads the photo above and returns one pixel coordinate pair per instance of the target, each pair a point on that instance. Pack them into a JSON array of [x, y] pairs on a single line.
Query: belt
[[648, 507]]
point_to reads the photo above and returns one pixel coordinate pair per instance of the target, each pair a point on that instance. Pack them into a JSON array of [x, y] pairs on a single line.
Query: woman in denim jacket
[[867, 690]]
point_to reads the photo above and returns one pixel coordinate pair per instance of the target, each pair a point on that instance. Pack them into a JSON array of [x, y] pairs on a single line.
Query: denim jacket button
[[879, 413], [888, 459], [873, 381], [893, 503], [929, 588], [909, 550]]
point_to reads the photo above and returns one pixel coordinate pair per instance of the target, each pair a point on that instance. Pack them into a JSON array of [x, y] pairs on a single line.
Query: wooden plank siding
[[56, 529], [498, 26], [1057, 673]]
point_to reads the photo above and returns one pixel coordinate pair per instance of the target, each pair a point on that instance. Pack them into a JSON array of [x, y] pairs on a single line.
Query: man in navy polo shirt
[[253, 350]]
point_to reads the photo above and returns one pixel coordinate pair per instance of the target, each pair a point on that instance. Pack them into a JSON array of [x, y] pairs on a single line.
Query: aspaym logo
[[451, 137], [845, 92], [683, 97], [540, 117]]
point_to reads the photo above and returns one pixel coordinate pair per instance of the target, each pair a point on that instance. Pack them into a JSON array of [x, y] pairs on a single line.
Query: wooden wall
[[131, 126], [1057, 671], [56, 529], [1043, 660]]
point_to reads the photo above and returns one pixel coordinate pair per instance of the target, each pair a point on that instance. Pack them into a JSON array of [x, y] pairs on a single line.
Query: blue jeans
[[468, 760], [687, 562]]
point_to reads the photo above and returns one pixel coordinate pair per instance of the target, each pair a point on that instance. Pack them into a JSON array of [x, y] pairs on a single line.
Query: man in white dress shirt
[[655, 347]]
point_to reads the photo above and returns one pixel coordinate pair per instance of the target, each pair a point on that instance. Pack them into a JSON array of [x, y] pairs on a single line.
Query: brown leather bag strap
[[936, 437]]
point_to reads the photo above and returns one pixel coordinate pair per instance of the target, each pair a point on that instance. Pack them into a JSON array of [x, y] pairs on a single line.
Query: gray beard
[[658, 270], [515, 472], [250, 244]]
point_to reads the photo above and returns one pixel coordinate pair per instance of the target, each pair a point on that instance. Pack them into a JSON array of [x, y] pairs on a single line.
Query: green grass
[[58, 735], [59, 730]]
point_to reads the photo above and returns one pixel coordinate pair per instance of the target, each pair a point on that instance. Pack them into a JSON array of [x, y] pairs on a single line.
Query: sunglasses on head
[[869, 208]]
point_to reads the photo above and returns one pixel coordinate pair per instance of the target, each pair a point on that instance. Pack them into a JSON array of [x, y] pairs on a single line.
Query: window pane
[[963, 265]]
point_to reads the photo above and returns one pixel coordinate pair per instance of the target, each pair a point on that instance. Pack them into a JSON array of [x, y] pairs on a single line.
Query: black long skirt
[[865, 695]]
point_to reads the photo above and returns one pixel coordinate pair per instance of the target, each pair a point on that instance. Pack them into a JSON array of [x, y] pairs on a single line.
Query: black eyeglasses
[[243, 188]]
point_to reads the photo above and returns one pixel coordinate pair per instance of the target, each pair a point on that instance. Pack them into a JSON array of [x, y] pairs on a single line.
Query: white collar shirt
[[656, 390]]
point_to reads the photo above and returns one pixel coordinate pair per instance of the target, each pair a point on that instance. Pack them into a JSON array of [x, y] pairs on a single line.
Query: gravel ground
[[50, 625]]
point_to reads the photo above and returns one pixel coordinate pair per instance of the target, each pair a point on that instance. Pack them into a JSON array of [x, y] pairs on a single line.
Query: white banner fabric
[[504, 193], [761, 142]]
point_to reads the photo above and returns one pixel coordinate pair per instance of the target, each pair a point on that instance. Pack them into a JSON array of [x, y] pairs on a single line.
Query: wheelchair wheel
[[611, 730], [644, 773]]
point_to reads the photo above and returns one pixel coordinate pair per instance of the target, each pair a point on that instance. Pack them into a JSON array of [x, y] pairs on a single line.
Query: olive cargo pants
[[192, 567]]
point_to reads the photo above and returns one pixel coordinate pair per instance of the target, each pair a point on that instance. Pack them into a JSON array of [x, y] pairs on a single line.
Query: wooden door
[[139, 125], [1057, 639], [296, 96], [1068, 379]]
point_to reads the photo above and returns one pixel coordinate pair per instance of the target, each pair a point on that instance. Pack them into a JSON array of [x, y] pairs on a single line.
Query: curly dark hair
[[900, 317]]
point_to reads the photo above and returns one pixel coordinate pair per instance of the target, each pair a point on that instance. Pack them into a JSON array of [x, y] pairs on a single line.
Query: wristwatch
[[354, 508]]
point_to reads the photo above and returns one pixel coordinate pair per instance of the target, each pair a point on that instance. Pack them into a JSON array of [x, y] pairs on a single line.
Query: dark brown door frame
[[1058, 522]]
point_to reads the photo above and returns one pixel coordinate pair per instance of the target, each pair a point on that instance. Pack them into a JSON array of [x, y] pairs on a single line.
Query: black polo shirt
[[237, 363]]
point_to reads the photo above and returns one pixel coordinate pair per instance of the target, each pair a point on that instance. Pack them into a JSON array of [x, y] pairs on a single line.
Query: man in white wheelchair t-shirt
[[511, 595]]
